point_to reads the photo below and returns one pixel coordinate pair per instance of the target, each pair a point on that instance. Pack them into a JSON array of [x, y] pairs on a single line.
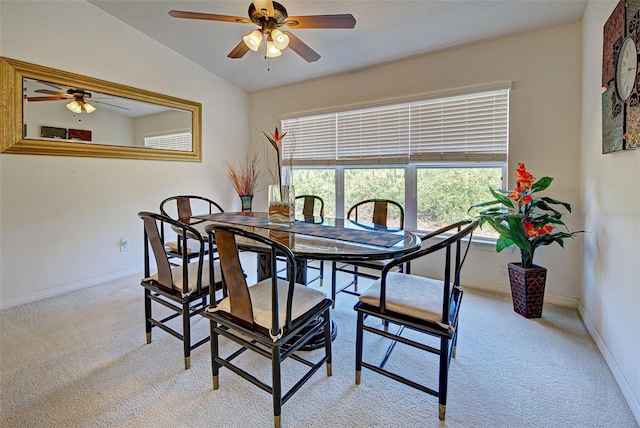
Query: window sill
[[477, 243]]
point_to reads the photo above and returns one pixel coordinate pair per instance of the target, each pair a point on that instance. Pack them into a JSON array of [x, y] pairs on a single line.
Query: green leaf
[[553, 201], [483, 204], [503, 242], [517, 234], [541, 184], [503, 199]]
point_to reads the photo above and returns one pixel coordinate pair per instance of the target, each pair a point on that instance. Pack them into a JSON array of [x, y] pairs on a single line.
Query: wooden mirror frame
[[11, 105]]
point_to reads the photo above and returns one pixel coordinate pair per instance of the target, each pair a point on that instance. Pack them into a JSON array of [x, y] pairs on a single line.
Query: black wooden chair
[[182, 208], [377, 212], [312, 209], [183, 289], [420, 304], [273, 318]]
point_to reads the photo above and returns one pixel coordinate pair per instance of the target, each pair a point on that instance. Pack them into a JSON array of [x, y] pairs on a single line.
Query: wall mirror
[[52, 112]]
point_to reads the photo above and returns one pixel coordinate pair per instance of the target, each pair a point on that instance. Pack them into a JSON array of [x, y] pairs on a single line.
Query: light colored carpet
[[80, 360]]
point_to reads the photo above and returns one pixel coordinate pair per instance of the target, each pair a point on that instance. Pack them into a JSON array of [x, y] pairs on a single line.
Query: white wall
[[61, 218], [610, 296], [544, 126]]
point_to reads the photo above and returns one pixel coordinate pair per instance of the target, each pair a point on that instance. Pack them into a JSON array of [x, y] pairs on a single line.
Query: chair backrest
[[459, 230], [309, 204], [188, 205], [233, 280], [377, 211], [153, 224]]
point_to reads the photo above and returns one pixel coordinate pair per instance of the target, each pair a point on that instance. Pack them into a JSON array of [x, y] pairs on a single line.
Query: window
[[436, 156], [445, 193], [180, 141], [380, 183], [319, 182]]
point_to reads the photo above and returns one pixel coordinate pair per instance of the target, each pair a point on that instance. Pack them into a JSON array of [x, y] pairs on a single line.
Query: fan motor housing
[[279, 12]]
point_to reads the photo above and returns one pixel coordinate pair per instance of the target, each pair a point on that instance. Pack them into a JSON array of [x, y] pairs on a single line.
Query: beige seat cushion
[[178, 279], [304, 298], [193, 247], [410, 295]]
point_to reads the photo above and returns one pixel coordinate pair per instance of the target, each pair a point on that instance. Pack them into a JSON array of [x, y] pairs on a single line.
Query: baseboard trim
[[65, 288], [553, 299], [627, 392]]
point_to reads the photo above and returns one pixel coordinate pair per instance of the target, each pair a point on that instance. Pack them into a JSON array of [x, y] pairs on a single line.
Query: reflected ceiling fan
[[270, 16], [79, 97]]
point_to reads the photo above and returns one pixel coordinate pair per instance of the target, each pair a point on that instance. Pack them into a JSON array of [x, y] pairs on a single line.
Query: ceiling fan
[[79, 97], [270, 16]]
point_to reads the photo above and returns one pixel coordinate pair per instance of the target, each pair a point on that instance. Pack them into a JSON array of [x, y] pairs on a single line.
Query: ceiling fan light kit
[[280, 40], [88, 107], [253, 40], [272, 50], [77, 106], [270, 16]]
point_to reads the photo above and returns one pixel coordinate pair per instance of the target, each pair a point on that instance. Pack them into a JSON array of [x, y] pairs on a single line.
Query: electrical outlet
[[124, 244]]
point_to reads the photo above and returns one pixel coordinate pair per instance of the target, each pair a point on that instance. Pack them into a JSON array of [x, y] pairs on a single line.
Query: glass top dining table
[[320, 238]]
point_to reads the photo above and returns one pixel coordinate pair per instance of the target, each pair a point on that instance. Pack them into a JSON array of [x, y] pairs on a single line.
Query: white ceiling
[[385, 31]]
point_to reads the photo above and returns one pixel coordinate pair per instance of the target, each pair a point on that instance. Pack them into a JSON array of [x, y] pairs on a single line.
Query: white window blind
[[373, 135], [469, 127], [310, 140], [180, 142]]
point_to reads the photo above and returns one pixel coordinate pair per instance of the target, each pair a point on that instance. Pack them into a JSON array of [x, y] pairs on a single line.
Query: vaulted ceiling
[[385, 31]]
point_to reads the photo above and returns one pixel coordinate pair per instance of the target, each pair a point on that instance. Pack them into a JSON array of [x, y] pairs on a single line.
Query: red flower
[[277, 136], [523, 178], [532, 232]]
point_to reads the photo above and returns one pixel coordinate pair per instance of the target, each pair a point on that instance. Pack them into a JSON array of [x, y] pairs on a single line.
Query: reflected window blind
[[180, 142], [469, 127]]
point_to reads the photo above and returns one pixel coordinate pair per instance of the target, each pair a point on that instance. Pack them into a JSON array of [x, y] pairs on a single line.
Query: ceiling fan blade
[[265, 4], [301, 48], [321, 21], [208, 16], [46, 91], [46, 98], [239, 51], [112, 105], [57, 86]]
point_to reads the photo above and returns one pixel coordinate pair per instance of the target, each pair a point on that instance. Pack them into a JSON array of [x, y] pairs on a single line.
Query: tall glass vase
[[246, 202], [282, 203]]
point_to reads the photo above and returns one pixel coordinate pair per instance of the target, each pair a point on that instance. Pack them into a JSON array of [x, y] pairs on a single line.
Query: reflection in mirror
[[54, 112]]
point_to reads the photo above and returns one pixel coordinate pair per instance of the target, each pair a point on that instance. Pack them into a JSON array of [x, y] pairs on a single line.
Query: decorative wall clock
[[620, 78]]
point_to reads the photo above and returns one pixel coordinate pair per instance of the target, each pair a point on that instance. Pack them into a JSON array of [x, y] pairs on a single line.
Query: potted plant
[[244, 177], [527, 221]]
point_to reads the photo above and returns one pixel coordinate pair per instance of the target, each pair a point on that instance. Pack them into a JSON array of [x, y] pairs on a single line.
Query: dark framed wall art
[[620, 78]]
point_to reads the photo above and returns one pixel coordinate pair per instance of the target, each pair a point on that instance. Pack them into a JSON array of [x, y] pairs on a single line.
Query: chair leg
[[215, 368], [355, 279], [359, 334], [444, 375], [334, 266], [147, 314], [186, 335], [277, 387], [455, 343], [321, 272], [327, 340]]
